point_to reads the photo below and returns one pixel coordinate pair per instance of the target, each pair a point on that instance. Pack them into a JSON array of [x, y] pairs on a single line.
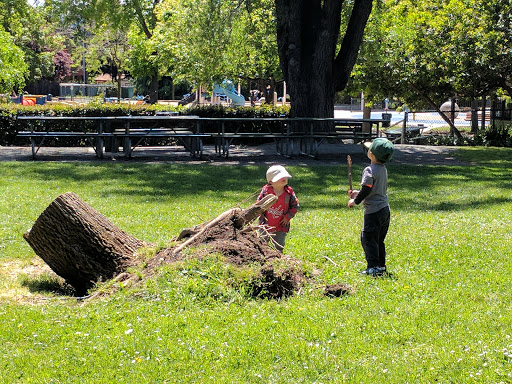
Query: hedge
[[9, 125]]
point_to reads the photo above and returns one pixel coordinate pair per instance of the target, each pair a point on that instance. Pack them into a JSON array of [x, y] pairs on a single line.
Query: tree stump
[[80, 244]]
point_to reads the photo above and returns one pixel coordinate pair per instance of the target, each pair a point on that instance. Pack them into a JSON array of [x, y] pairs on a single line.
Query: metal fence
[[416, 126]]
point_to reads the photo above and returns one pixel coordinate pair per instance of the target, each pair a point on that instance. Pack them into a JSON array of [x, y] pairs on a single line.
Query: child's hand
[[351, 203], [285, 221], [353, 193]]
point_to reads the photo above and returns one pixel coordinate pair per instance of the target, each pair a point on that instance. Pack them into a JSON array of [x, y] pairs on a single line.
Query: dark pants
[[375, 229]]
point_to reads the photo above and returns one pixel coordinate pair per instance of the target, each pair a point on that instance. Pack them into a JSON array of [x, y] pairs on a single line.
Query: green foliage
[[13, 67], [207, 41], [498, 135], [265, 110], [253, 47], [425, 53], [208, 279]]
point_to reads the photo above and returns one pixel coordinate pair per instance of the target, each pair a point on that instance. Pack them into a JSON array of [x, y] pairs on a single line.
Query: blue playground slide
[[228, 89]]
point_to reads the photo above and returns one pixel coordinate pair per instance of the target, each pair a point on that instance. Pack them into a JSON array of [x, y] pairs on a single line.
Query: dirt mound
[[278, 276]]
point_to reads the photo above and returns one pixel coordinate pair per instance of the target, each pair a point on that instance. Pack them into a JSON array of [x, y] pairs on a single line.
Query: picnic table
[[297, 136]]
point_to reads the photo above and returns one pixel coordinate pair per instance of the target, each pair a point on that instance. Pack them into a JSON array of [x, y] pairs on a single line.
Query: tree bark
[[153, 89], [307, 35], [79, 244]]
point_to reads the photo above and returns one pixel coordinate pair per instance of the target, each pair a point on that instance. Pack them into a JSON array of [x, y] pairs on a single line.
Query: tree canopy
[[426, 52], [13, 65], [420, 51]]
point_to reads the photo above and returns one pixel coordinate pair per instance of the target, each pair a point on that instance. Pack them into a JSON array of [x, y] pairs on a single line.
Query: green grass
[[444, 316]]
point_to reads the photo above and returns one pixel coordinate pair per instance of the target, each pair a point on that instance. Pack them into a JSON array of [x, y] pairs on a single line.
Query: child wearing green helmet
[[373, 195]]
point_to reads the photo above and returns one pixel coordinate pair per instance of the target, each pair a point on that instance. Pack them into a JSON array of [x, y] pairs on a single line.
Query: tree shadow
[[46, 283], [317, 187]]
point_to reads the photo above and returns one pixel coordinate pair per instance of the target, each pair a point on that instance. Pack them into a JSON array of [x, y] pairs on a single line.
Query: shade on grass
[[444, 317]]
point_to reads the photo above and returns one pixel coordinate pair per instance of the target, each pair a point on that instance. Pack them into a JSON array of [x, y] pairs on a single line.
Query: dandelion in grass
[[128, 331]]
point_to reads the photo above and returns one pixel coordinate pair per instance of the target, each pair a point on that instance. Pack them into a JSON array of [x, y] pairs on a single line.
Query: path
[[329, 154]]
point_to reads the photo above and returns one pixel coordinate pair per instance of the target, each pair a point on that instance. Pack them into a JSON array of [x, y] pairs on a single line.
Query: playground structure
[[31, 99], [226, 92]]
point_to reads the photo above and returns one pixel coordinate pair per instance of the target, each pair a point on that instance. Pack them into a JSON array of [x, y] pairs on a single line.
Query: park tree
[[316, 51], [108, 44], [32, 33], [14, 68], [413, 60], [144, 59], [430, 52], [12, 16], [252, 52], [77, 23], [102, 33], [195, 37]]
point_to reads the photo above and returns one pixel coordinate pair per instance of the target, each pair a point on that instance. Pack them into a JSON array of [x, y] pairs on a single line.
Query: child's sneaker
[[374, 271]]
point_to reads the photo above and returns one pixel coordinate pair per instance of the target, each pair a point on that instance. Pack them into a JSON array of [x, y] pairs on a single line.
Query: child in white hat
[[276, 219]]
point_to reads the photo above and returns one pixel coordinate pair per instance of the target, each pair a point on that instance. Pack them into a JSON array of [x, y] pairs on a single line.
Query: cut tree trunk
[[80, 244], [84, 247]]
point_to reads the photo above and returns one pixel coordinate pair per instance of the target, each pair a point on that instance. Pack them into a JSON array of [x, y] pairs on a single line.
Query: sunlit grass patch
[[444, 315]]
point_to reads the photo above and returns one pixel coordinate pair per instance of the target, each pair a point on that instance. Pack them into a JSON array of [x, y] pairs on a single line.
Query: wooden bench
[[37, 139], [189, 139]]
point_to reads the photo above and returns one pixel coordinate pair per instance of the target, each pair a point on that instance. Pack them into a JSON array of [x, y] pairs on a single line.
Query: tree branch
[[347, 55]]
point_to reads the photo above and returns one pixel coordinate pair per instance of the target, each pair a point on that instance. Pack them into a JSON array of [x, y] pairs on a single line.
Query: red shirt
[[286, 205]]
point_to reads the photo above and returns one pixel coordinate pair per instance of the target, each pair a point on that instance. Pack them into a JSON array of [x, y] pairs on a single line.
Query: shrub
[[498, 135]]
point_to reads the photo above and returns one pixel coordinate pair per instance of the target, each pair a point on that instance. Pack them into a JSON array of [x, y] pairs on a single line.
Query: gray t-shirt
[[376, 176]]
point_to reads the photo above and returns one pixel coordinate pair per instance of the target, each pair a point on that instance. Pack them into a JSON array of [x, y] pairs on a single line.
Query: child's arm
[[356, 197], [263, 193], [293, 207]]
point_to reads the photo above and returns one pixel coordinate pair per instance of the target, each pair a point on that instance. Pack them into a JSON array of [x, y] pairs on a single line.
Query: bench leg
[[127, 146], [197, 147], [99, 147], [224, 147], [35, 146], [34, 151]]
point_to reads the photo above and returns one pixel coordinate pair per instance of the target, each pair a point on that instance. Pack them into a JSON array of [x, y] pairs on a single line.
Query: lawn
[[444, 316]]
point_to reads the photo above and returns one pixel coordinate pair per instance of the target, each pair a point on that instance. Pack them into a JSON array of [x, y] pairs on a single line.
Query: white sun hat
[[276, 172]]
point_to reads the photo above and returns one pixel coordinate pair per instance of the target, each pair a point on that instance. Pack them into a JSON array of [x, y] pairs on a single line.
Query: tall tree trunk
[[80, 244], [474, 116], [307, 34], [482, 117], [119, 88], [153, 89]]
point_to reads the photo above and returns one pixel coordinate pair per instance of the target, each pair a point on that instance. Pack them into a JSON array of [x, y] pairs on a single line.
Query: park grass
[[444, 315]]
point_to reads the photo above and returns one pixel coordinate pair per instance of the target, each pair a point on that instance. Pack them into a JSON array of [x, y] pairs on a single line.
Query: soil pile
[[244, 247]]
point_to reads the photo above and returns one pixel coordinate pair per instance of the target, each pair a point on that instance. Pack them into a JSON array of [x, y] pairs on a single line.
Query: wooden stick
[[331, 260], [349, 161]]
